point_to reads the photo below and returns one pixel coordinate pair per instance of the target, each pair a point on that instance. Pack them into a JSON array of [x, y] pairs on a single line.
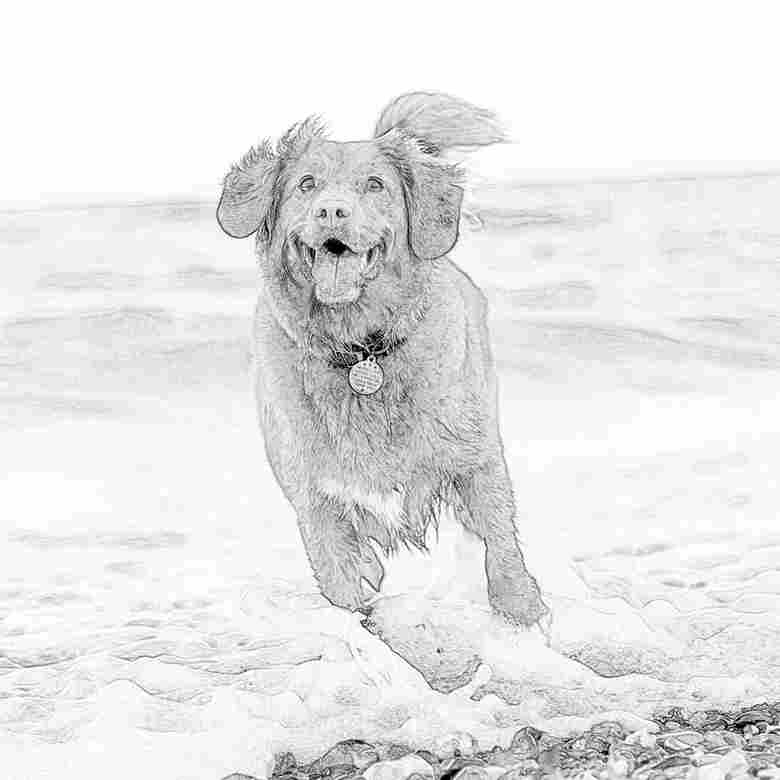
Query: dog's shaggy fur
[[352, 240]]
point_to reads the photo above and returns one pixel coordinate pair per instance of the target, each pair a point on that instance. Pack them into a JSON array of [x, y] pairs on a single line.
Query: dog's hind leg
[[489, 511]]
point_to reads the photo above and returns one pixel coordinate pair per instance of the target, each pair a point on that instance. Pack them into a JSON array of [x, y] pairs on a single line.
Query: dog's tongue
[[337, 273]]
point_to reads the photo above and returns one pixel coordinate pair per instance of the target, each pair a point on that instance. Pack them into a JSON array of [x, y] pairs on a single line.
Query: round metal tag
[[366, 377]]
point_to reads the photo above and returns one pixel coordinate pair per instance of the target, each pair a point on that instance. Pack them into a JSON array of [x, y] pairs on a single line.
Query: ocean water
[[157, 613]]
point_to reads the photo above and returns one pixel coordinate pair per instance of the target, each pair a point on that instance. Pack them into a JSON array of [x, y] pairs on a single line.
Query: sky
[[155, 99]]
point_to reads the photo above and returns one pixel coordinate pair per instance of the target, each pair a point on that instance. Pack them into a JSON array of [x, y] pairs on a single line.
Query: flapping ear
[[247, 193], [431, 190], [442, 121], [250, 196], [416, 130], [433, 204]]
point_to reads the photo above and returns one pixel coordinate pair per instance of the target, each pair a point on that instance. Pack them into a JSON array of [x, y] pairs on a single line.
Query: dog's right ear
[[250, 192], [247, 193]]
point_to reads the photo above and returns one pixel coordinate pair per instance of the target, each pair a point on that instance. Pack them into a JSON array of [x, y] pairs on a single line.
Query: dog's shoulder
[[465, 304], [269, 324], [275, 352], [454, 281]]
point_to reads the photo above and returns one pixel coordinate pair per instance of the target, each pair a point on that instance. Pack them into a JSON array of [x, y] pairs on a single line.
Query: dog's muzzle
[[339, 271]]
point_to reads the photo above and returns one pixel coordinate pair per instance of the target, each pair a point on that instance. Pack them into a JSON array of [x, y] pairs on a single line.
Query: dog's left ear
[[247, 193], [433, 200]]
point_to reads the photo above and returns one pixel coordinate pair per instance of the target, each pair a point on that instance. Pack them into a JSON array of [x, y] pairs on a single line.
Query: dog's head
[[343, 219]]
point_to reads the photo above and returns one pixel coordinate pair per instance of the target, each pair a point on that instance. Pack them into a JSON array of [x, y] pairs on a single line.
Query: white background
[[142, 99]]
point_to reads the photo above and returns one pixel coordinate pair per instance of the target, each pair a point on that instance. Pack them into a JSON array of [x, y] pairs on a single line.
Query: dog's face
[[342, 218], [342, 214]]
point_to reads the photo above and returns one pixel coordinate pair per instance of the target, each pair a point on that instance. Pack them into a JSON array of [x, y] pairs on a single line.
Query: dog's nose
[[333, 212]]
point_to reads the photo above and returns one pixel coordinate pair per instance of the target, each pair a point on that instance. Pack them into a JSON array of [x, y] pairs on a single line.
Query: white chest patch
[[387, 507]]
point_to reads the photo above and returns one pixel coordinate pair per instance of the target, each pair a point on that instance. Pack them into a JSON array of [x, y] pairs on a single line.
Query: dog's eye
[[306, 184], [375, 184]]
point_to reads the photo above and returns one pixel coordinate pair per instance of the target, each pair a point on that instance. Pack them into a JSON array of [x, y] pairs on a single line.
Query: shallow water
[[157, 614]]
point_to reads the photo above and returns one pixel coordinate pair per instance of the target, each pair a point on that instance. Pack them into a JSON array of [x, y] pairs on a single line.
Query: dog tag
[[366, 377]]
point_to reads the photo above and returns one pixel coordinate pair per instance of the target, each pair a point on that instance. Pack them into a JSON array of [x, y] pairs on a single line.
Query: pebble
[[480, 773], [527, 766], [597, 744], [708, 720], [679, 741], [399, 769], [722, 738], [705, 759], [608, 729], [708, 772], [714, 739], [394, 751], [350, 752], [735, 740], [504, 758], [548, 741], [239, 776], [671, 718], [643, 737], [339, 772], [450, 767], [670, 762], [550, 759], [525, 742], [458, 743], [494, 772], [620, 765]]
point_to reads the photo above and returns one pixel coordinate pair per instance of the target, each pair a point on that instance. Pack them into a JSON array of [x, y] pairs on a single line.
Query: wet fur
[[430, 435]]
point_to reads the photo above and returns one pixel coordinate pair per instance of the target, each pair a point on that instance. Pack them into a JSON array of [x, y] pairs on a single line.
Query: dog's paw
[[518, 601], [346, 592], [347, 598]]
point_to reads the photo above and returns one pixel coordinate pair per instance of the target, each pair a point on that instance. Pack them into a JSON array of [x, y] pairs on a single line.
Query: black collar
[[377, 344]]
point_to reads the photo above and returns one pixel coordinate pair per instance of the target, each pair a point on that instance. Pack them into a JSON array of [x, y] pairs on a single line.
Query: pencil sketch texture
[[375, 381], [159, 617]]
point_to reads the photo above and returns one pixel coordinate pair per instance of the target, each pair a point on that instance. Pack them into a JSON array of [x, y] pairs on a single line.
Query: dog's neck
[[377, 344]]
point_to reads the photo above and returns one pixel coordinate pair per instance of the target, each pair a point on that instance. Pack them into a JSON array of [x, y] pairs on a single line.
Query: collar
[[377, 344]]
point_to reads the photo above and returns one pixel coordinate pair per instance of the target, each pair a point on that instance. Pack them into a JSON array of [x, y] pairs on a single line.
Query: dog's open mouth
[[339, 271], [338, 249]]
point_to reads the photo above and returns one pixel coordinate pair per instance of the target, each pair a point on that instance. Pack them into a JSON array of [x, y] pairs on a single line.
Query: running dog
[[375, 382]]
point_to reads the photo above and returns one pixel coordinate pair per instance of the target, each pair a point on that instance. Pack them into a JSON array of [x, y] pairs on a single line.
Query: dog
[[375, 382]]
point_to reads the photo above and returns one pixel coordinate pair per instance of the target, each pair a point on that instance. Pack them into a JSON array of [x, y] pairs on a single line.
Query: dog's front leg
[[490, 513], [337, 557]]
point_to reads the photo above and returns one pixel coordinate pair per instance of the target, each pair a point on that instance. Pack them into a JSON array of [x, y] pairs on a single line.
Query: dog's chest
[[386, 506], [352, 419]]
